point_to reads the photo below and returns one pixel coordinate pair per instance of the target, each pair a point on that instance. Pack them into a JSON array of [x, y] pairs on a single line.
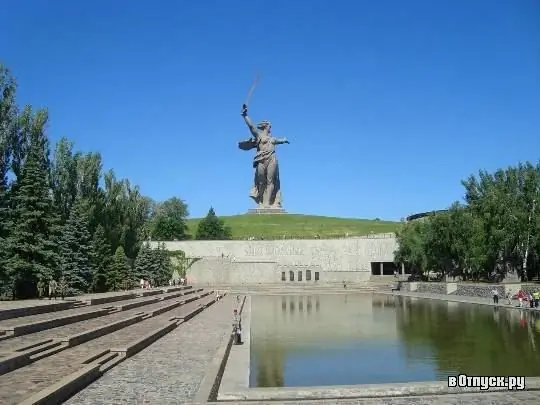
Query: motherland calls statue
[[266, 189]]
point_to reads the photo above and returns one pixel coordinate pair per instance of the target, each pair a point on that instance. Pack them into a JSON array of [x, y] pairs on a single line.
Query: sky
[[388, 105]]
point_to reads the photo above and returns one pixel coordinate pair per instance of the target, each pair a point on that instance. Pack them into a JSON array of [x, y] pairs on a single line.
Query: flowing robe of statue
[[266, 190]]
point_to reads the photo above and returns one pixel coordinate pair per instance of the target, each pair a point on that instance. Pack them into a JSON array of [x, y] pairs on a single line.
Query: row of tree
[[494, 234], [64, 216]]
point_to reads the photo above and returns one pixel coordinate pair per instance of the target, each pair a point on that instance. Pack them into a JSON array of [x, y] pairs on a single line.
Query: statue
[[266, 188]]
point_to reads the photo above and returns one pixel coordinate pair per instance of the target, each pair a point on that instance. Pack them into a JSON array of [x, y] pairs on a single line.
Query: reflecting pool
[[364, 339]]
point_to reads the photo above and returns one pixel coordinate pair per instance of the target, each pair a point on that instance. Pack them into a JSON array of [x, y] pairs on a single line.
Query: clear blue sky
[[387, 104]]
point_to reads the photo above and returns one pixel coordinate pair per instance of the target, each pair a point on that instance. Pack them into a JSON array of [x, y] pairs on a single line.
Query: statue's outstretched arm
[[253, 129], [280, 141]]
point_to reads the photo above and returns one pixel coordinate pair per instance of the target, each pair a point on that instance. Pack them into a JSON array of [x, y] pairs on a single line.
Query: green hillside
[[289, 226]]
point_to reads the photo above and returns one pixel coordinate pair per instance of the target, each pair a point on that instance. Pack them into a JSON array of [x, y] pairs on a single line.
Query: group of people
[[174, 282], [525, 299], [55, 288]]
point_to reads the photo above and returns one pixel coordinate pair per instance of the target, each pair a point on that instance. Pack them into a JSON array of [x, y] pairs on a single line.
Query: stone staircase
[[50, 350], [334, 288]]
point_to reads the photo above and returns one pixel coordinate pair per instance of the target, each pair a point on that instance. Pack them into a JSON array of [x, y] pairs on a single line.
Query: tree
[[118, 272], [164, 265], [101, 260], [145, 264], [168, 220], [33, 239], [212, 228], [495, 234], [64, 177], [38, 194], [8, 121], [75, 250]]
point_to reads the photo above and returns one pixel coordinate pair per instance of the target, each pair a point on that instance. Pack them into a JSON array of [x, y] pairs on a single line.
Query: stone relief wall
[[351, 254], [479, 290], [432, 288]]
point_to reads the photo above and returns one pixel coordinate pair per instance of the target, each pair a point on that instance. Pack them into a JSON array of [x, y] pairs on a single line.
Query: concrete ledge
[[165, 308], [53, 348], [38, 326], [131, 305], [145, 341], [13, 361], [96, 355], [358, 391], [170, 297], [65, 388], [112, 298], [94, 333], [208, 390], [149, 293], [181, 288], [236, 373], [36, 309]]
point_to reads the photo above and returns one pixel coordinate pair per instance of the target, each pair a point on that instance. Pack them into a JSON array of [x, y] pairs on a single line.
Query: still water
[[363, 339]]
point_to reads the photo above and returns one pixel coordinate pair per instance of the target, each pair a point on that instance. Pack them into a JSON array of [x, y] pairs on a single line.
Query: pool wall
[[235, 388]]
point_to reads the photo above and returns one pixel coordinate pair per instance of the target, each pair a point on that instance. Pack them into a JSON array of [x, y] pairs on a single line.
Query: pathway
[[503, 302], [168, 372], [521, 398]]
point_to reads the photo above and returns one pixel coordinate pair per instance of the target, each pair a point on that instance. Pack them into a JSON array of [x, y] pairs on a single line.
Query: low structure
[[256, 262]]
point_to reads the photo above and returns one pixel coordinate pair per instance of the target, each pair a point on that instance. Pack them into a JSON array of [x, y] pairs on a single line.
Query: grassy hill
[[298, 226]]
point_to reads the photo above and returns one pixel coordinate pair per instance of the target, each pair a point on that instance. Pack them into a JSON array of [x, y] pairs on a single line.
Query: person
[[237, 327], [40, 288], [520, 297], [182, 281], [495, 294], [536, 296], [53, 285], [266, 188], [62, 286], [509, 297], [142, 283]]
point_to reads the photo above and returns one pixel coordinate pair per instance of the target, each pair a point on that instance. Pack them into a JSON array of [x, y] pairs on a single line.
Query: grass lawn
[[290, 226]]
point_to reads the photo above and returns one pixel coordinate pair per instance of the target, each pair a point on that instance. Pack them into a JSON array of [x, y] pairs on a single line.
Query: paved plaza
[[171, 370], [174, 368]]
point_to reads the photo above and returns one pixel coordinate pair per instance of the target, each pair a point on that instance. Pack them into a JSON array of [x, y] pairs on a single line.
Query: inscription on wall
[[281, 250], [377, 251]]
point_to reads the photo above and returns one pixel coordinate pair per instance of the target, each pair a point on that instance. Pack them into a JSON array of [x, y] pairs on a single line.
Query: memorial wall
[[268, 261]]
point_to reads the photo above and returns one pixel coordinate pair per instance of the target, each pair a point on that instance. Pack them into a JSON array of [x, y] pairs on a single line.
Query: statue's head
[[265, 126]]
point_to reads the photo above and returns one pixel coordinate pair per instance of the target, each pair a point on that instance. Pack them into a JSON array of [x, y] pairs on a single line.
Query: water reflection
[[356, 339]]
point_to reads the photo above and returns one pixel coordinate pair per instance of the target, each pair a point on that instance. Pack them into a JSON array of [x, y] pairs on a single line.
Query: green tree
[[101, 260], [496, 233], [164, 264], [8, 121], [145, 264], [118, 272], [212, 228], [75, 250], [64, 177], [168, 221], [33, 240]]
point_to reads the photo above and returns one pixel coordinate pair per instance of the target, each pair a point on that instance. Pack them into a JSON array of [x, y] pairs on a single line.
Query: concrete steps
[[288, 289], [80, 332], [20, 343], [42, 371], [78, 312]]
